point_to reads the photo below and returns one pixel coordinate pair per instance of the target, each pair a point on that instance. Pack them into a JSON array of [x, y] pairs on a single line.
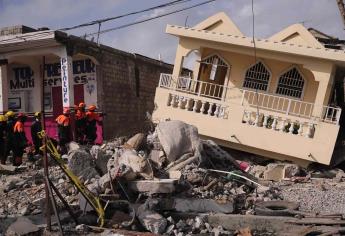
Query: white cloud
[[150, 38]]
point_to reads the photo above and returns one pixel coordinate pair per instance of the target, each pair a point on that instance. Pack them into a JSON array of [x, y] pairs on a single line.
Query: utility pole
[[342, 10]]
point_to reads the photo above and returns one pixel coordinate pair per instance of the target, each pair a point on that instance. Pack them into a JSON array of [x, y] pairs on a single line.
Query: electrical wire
[[33, 35], [172, 3], [149, 19], [255, 59]]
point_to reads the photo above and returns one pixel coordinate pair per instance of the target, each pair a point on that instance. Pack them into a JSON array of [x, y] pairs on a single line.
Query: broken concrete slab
[[72, 146], [178, 138], [195, 205], [280, 171], [153, 186], [138, 164], [7, 169], [82, 164], [151, 220], [101, 158], [278, 225], [135, 142], [22, 226], [157, 157]]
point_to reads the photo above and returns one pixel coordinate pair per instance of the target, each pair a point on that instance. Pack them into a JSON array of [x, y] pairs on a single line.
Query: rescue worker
[[3, 137], [64, 129], [11, 120], [80, 123], [19, 139], [36, 127], [92, 118]]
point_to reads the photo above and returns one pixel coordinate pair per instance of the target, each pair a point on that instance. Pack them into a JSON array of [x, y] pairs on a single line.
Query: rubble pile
[[171, 182]]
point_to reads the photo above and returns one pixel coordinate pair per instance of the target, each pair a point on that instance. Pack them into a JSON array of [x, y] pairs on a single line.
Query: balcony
[[249, 120]]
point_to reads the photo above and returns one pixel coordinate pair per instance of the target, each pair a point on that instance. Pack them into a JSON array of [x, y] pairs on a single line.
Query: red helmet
[[82, 105], [66, 111], [21, 115], [92, 108]]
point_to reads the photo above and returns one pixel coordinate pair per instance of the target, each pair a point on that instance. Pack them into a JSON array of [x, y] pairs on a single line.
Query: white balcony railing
[[251, 98], [290, 106], [187, 85]]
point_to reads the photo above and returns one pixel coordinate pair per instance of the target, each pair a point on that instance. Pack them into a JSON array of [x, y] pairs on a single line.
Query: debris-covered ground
[[173, 183]]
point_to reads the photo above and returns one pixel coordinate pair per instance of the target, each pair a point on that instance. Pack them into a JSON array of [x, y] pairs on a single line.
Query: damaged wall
[[127, 91], [126, 85]]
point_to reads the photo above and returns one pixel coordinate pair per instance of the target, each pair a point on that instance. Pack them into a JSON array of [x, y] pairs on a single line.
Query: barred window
[[257, 77], [291, 84]]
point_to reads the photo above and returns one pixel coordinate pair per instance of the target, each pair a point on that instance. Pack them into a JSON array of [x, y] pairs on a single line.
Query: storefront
[[60, 70]]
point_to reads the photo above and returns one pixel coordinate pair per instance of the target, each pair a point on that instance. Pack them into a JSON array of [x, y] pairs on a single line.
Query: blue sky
[[149, 38]]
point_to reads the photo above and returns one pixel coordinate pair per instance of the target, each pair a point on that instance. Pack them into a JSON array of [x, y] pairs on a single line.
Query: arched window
[[216, 66], [257, 77], [291, 84]]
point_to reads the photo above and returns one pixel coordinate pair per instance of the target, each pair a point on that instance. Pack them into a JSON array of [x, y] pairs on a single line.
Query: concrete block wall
[[123, 98], [125, 112]]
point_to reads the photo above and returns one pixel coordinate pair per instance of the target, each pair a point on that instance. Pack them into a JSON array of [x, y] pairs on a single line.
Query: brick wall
[[125, 95], [118, 87]]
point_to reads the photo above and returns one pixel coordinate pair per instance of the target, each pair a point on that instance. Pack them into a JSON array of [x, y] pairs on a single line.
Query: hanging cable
[[149, 19], [172, 3], [255, 59], [33, 35]]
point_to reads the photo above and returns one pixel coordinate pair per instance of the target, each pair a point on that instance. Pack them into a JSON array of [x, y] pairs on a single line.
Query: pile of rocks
[[170, 171]]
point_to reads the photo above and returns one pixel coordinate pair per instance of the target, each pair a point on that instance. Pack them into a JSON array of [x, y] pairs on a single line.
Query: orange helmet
[[92, 108], [82, 105], [66, 111]]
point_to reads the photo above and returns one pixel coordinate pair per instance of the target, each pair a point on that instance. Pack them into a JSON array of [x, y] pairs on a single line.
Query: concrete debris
[[101, 158], [81, 163], [4, 169], [150, 219], [153, 186], [22, 226], [196, 205], [135, 142], [138, 164], [178, 138], [177, 184], [280, 171]]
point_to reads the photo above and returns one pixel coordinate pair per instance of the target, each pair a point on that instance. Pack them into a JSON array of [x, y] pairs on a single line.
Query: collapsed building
[[72, 70], [281, 97]]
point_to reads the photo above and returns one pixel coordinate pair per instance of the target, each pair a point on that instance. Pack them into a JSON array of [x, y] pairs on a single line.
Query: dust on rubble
[[175, 184]]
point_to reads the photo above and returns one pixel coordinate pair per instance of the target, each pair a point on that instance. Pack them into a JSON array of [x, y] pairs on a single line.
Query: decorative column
[[209, 112], [195, 107], [3, 87], [300, 129], [216, 112], [172, 102], [274, 123], [257, 116], [202, 110], [189, 104], [310, 130], [282, 126], [180, 102], [291, 129], [264, 124]]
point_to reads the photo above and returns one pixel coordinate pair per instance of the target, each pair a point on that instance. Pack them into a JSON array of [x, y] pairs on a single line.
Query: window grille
[[214, 60], [257, 77], [291, 84]]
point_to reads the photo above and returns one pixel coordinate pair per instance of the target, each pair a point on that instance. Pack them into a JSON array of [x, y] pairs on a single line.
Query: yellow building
[[277, 103]]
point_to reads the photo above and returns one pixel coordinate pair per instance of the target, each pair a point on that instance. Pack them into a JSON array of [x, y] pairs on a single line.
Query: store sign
[[23, 78], [83, 72], [64, 78]]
